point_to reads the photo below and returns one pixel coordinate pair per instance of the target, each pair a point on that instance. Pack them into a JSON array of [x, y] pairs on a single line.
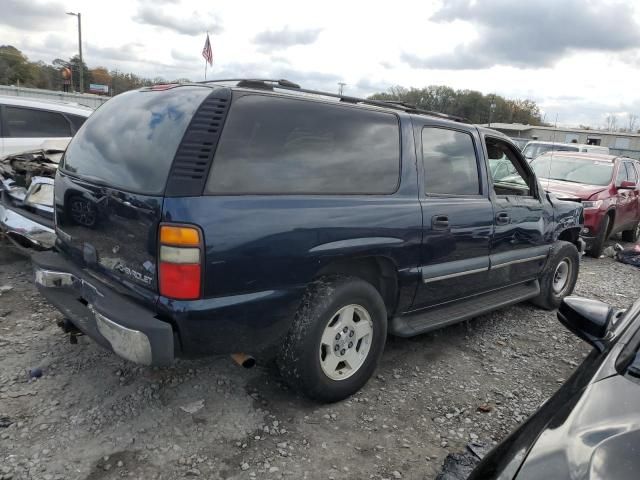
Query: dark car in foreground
[[590, 429], [257, 216], [606, 185]]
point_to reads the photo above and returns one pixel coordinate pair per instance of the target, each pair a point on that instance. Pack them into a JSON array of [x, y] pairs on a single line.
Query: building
[[619, 143]]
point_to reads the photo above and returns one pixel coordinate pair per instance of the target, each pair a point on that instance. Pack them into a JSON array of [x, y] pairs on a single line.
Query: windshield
[[576, 170], [534, 150]]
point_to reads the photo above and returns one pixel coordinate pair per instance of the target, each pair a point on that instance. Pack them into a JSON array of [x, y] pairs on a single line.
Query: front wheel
[[559, 276], [336, 340], [598, 243]]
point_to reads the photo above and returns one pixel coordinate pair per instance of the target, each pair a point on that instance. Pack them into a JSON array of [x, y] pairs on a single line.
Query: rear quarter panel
[[261, 251]]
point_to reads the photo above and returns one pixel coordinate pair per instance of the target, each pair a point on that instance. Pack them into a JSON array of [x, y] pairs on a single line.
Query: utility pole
[[341, 89], [81, 79], [492, 107]]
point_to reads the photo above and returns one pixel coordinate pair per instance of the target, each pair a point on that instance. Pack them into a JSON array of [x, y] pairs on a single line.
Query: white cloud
[[345, 41]]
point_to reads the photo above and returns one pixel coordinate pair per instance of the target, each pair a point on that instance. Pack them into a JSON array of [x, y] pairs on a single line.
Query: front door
[[626, 199], [457, 216], [518, 248]]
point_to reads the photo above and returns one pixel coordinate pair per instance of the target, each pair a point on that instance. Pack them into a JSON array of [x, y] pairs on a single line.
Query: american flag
[[206, 51]]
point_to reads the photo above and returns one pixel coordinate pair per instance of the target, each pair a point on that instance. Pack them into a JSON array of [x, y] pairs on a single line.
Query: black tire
[[598, 244], [299, 358], [631, 235], [549, 298]]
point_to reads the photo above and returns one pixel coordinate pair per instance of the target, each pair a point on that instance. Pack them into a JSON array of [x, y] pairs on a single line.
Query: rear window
[[275, 145], [130, 141]]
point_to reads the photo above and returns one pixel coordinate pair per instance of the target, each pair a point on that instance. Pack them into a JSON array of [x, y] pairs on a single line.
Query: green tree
[[469, 104], [14, 66]]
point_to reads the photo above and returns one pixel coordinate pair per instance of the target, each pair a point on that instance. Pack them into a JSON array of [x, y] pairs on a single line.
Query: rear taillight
[[180, 260]]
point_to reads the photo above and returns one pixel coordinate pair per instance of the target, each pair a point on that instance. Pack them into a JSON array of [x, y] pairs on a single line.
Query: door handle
[[440, 222], [503, 218]]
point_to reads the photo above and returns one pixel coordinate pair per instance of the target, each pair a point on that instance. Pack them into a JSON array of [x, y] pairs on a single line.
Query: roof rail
[[284, 84]]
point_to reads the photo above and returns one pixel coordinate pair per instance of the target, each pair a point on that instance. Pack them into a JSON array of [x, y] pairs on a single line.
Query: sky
[[578, 59]]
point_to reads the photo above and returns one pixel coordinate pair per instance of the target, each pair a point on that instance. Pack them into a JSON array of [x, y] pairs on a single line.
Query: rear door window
[[275, 145], [33, 123], [130, 142], [450, 162]]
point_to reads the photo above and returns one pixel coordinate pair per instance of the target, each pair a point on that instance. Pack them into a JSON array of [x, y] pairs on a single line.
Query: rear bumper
[[112, 320], [25, 230]]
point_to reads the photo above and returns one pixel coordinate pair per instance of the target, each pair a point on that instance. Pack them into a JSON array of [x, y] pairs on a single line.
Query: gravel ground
[[93, 416]]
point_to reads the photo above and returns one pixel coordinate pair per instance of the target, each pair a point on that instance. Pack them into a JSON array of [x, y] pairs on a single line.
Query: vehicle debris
[[26, 195]]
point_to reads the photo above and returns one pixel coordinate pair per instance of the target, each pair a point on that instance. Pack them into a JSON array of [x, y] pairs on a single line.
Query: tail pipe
[[244, 360]]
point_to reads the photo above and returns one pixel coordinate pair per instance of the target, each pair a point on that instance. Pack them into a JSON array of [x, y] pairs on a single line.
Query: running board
[[457, 311]]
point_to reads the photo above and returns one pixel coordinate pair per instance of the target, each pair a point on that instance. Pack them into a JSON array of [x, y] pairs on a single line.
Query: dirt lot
[[94, 416]]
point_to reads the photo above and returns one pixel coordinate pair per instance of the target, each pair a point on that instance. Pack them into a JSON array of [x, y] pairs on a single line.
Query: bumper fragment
[[24, 230]]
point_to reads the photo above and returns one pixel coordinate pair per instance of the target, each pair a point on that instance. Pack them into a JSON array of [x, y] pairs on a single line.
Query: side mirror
[[627, 185], [588, 319]]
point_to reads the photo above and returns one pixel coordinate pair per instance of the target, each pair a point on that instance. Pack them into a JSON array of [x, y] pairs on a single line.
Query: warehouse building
[[627, 144]]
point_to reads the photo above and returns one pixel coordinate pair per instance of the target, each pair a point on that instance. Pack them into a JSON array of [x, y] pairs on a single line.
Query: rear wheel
[[559, 276], [336, 340], [598, 244], [632, 235]]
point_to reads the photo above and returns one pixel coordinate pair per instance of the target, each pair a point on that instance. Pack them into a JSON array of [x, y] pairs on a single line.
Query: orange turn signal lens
[[170, 235]]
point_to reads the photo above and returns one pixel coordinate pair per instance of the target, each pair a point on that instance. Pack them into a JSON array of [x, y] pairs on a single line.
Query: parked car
[[26, 195], [258, 216], [606, 185], [536, 148], [27, 123], [590, 428]]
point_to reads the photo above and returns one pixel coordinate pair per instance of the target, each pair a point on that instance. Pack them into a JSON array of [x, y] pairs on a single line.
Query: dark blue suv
[[258, 217]]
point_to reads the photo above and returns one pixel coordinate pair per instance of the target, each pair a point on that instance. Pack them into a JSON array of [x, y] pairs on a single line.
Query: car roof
[[285, 88], [45, 104], [600, 157]]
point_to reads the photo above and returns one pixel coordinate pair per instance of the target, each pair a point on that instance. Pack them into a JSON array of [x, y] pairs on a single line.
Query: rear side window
[[275, 145], [32, 123], [450, 164], [131, 140]]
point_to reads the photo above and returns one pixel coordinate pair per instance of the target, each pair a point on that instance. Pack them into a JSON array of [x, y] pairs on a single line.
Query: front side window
[[509, 176], [631, 172], [450, 163], [275, 145], [622, 174], [32, 123]]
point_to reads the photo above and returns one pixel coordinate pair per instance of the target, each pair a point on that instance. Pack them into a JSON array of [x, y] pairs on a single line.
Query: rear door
[[457, 215], [518, 247], [27, 128], [110, 186]]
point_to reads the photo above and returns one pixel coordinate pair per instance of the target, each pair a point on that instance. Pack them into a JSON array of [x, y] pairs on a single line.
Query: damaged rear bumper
[[26, 229], [108, 317]]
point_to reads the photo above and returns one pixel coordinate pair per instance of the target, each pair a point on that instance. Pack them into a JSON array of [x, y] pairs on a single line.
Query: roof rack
[[283, 84]]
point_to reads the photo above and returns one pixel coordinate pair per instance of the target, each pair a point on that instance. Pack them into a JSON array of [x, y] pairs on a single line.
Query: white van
[[536, 148], [28, 123]]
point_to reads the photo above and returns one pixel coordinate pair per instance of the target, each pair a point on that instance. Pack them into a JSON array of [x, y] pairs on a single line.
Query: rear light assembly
[[180, 262]]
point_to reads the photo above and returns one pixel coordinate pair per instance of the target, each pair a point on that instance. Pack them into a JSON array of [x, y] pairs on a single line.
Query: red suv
[[606, 185]]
